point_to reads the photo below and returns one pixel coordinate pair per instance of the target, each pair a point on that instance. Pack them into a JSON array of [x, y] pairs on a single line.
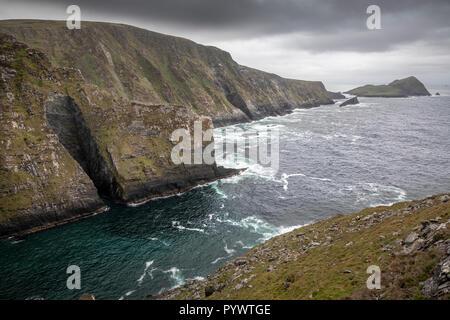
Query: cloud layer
[[285, 29]]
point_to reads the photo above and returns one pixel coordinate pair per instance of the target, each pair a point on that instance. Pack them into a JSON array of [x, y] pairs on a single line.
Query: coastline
[[340, 249], [54, 224]]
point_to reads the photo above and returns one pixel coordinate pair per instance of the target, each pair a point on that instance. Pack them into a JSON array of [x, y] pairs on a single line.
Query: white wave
[[218, 259], [218, 190], [177, 225], [374, 194], [176, 275], [284, 179], [261, 227], [159, 240], [239, 242], [227, 250], [147, 265], [17, 241], [127, 294]]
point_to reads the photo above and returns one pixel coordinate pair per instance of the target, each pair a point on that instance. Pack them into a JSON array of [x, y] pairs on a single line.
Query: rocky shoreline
[[409, 241]]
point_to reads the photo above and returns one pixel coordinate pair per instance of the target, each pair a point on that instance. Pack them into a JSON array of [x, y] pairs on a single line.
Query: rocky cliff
[[65, 142], [335, 95], [89, 113], [406, 87], [40, 183], [144, 66], [408, 241]]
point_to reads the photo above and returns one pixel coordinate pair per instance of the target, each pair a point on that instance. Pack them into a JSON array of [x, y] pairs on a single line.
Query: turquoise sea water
[[332, 160]]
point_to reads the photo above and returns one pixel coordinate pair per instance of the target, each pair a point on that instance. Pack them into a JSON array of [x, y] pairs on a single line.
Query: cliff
[[144, 66], [406, 87], [408, 241], [89, 113], [40, 183], [65, 142], [335, 95]]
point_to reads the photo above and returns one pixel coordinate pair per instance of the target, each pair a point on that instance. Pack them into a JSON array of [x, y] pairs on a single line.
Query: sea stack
[[353, 100]]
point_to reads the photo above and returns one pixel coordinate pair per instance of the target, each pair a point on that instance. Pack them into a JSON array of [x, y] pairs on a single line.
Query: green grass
[[318, 273]]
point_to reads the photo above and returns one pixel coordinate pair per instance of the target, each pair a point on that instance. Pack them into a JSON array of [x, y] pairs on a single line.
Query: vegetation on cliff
[[153, 68], [65, 141], [40, 183], [406, 87], [408, 241], [97, 107]]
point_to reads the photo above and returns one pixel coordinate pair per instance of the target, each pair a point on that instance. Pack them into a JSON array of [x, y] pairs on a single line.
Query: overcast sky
[[304, 39]]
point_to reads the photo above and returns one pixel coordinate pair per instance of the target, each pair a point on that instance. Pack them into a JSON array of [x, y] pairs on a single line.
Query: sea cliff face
[[144, 66], [64, 142], [40, 183], [89, 113]]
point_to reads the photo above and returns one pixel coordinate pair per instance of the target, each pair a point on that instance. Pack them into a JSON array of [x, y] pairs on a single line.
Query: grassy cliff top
[[409, 241], [154, 68]]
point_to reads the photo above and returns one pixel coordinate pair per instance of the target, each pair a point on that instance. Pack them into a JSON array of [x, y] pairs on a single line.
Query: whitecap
[[147, 265], [177, 225], [218, 259], [176, 275], [127, 294], [228, 250]]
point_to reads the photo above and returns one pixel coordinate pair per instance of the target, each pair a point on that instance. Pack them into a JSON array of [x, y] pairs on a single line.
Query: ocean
[[331, 161]]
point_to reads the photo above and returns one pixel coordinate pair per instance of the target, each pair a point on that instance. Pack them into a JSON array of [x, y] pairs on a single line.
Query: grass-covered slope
[[410, 86], [153, 68], [409, 241]]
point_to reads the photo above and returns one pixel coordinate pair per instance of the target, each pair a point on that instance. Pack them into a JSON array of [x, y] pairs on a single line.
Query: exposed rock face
[[153, 68], [40, 183], [65, 141], [92, 111], [406, 87], [439, 283], [66, 120], [335, 95], [353, 100]]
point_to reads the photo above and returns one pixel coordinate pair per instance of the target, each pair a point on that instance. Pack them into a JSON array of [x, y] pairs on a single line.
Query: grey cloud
[[330, 25]]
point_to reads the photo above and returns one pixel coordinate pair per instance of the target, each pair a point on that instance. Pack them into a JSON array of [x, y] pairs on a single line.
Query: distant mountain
[[406, 87]]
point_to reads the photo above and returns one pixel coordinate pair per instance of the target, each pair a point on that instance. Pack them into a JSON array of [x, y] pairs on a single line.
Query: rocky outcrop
[[406, 87], [408, 241], [353, 100], [144, 66], [439, 283], [335, 95]]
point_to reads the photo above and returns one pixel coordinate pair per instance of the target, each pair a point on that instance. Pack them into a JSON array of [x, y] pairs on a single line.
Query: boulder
[[353, 100]]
